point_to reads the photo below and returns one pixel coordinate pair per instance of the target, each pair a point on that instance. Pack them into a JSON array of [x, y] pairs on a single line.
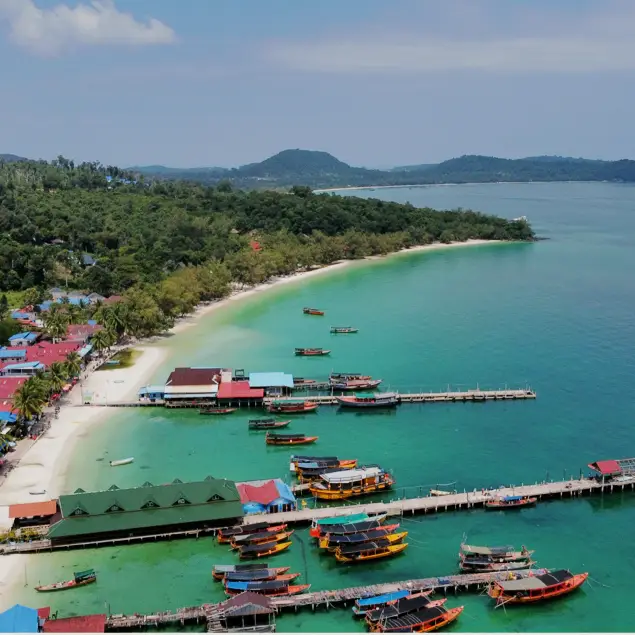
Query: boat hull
[[342, 494], [294, 589], [279, 548], [391, 550], [351, 402], [528, 502], [279, 571], [304, 441], [64, 586], [293, 409], [217, 411], [549, 593]]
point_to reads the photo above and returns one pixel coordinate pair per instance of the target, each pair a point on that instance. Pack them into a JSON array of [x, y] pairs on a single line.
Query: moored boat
[[424, 621], [311, 352], [308, 311], [344, 329], [348, 528], [273, 588], [292, 407], [302, 381], [81, 578], [505, 553], [377, 400], [350, 483], [122, 461], [216, 411], [410, 604], [348, 377], [227, 533], [267, 424], [478, 566], [258, 539], [260, 575], [299, 464], [249, 552], [387, 533], [368, 551], [219, 571], [356, 384], [339, 520], [289, 439], [365, 605], [511, 502], [536, 588]]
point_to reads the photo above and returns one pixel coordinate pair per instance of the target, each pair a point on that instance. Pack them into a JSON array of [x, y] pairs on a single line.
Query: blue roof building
[[273, 383], [27, 369], [23, 339], [7, 417], [12, 353], [270, 497], [20, 315], [19, 619]]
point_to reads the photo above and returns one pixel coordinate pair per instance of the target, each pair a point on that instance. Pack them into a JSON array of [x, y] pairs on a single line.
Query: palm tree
[[73, 364], [29, 400], [100, 340], [56, 324], [57, 376]]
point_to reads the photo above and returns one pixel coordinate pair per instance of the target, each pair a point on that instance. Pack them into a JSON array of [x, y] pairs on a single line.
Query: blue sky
[[374, 82]]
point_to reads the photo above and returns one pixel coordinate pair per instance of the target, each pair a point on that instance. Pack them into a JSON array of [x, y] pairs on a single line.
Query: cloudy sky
[[375, 82]]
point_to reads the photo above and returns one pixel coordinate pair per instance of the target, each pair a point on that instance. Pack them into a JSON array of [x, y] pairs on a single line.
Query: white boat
[[37, 492], [122, 462]]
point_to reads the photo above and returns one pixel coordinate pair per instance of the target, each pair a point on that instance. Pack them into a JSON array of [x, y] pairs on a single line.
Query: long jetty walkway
[[213, 613]]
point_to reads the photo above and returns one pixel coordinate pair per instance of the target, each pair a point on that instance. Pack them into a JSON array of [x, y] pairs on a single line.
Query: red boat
[[424, 621], [289, 407], [536, 588], [511, 502], [308, 311], [311, 352]]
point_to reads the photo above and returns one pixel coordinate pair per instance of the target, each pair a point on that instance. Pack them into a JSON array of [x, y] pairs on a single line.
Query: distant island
[[321, 170]]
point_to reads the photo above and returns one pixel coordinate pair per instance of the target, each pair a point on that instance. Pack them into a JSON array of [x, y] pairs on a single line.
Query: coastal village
[[259, 519]]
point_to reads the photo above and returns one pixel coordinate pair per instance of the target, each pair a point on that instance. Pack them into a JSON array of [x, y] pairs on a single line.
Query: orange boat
[[430, 619], [307, 311], [250, 552], [536, 588], [312, 352], [259, 539], [511, 502], [274, 588], [221, 570], [288, 439], [290, 407], [229, 533]]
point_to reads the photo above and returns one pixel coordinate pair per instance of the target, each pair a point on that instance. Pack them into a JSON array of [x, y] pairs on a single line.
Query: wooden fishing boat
[[311, 476], [292, 407], [227, 533], [410, 604], [312, 471], [351, 483], [365, 605], [311, 352], [267, 424], [216, 411], [511, 502], [221, 570], [377, 400], [356, 384], [273, 588], [344, 329], [81, 578], [307, 311], [339, 520], [260, 575], [250, 552], [348, 528], [424, 621], [258, 539], [536, 588], [478, 566], [506, 553], [302, 464], [385, 533], [368, 551], [348, 377], [122, 462], [289, 439], [301, 381]]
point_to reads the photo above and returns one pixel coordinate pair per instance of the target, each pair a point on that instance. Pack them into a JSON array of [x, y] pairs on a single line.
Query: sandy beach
[[44, 466]]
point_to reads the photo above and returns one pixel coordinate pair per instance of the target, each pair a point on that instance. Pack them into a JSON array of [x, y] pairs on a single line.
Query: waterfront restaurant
[[239, 393], [193, 385], [146, 510]]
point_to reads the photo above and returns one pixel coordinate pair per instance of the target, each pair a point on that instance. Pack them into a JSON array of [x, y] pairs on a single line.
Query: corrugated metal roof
[[78, 624], [19, 619], [239, 390], [24, 366], [29, 510], [247, 603], [12, 353], [271, 380], [26, 335], [606, 467]]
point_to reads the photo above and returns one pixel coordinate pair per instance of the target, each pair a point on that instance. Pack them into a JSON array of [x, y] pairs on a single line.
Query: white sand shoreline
[[44, 466]]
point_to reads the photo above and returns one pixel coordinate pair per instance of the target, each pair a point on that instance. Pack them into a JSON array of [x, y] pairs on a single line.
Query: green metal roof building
[[146, 509]]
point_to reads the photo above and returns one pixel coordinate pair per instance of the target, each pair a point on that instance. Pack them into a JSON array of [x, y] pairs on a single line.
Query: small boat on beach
[[291, 407], [311, 352], [82, 578], [344, 329], [219, 571], [257, 539], [260, 575], [377, 400], [365, 605], [536, 588], [387, 533], [250, 552], [272, 588], [307, 311], [267, 424], [122, 462], [511, 502], [289, 439], [216, 411], [381, 548], [424, 621], [350, 483], [348, 377], [409, 604], [356, 384]]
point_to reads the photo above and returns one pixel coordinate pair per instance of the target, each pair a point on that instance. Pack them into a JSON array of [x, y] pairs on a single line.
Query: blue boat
[[370, 604]]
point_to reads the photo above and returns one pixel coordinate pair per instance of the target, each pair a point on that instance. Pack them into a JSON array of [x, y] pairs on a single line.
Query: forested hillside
[[167, 245]]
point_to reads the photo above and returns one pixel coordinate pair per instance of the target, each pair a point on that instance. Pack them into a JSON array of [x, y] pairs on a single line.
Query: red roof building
[[81, 332], [263, 494], [606, 467], [233, 390], [8, 386], [31, 510], [79, 624], [6, 405], [47, 352], [193, 377]]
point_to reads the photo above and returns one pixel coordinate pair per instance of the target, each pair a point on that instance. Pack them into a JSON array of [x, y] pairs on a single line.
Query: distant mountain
[[11, 158], [318, 169]]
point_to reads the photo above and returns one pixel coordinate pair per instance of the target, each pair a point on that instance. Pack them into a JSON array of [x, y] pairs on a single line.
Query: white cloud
[[51, 31], [601, 42]]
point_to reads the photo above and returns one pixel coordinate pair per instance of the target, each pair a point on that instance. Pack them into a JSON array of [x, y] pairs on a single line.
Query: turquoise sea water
[[556, 314]]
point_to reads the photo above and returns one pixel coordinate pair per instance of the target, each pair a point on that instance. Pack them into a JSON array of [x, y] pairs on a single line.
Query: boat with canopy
[[424, 621], [536, 588], [351, 483], [289, 439], [80, 578], [381, 548], [409, 604]]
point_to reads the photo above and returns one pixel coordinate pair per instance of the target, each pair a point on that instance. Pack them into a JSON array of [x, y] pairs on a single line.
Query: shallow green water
[[557, 314]]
